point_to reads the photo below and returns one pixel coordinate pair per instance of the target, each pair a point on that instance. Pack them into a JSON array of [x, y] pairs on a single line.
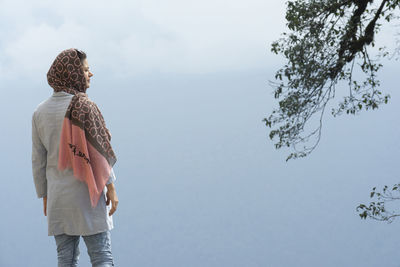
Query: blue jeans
[[98, 247]]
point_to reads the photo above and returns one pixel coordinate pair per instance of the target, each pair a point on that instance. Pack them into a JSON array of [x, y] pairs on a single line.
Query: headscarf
[[85, 141]]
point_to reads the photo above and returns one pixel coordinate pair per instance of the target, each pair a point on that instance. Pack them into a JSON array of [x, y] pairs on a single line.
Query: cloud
[[132, 38], [34, 50]]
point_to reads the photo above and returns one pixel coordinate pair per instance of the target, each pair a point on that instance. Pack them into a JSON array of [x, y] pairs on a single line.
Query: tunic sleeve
[[39, 162], [112, 178]]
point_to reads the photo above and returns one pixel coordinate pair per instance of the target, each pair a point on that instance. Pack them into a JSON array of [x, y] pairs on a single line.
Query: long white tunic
[[69, 210]]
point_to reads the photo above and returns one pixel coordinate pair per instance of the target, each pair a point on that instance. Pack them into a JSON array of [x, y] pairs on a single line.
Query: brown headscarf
[[85, 141]]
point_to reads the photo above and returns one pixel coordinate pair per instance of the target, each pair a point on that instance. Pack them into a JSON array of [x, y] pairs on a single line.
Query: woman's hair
[[81, 55]]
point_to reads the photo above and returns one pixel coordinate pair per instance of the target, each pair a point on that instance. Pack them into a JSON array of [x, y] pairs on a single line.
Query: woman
[[72, 161]]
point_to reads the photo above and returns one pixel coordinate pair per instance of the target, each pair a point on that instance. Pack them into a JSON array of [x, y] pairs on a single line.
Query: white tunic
[[69, 210]]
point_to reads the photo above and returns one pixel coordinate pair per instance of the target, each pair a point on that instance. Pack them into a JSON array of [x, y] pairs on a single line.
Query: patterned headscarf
[[85, 141], [66, 74]]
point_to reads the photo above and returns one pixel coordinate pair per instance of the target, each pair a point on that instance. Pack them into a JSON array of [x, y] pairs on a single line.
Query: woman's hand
[[45, 206], [112, 197]]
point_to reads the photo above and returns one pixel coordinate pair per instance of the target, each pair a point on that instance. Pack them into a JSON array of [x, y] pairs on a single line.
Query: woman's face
[[86, 72]]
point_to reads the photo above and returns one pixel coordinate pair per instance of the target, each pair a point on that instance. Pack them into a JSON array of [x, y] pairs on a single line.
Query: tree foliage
[[327, 41], [377, 209]]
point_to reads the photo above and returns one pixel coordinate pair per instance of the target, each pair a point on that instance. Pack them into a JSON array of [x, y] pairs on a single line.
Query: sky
[[183, 87]]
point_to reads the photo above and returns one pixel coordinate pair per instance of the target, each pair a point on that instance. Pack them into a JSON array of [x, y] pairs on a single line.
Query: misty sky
[[183, 87]]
